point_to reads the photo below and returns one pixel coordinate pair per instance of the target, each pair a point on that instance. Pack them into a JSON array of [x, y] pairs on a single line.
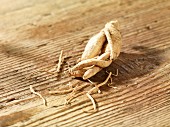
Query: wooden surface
[[32, 34]]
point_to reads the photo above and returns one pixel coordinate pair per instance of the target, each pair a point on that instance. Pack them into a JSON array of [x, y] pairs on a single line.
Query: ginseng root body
[[99, 52]]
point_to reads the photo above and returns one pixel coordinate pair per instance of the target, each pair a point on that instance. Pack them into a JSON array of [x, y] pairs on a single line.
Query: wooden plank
[[32, 34]]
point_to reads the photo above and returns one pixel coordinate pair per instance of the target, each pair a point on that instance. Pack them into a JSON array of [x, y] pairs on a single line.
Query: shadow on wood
[[131, 66]]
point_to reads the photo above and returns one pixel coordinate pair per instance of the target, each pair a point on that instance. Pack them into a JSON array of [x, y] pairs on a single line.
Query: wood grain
[[32, 34]]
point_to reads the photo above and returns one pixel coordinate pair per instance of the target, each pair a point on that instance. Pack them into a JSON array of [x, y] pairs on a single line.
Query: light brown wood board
[[32, 34]]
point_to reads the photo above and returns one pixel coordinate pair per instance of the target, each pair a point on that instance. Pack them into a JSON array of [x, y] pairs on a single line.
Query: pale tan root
[[60, 92], [114, 38], [104, 56], [77, 88], [91, 81], [117, 73], [90, 62], [87, 68], [73, 83], [74, 93], [60, 61], [91, 72], [77, 73], [38, 94], [94, 46], [94, 70], [114, 87], [92, 100], [74, 96], [58, 66], [113, 54], [94, 85], [101, 84], [109, 84]]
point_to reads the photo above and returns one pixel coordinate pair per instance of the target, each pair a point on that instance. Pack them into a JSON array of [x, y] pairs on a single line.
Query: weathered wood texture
[[32, 34]]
